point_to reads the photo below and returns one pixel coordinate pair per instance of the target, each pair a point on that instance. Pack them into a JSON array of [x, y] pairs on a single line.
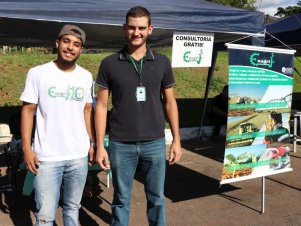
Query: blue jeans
[[150, 156], [51, 175]]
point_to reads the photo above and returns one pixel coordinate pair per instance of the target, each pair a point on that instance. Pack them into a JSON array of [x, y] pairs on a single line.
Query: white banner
[[192, 49]]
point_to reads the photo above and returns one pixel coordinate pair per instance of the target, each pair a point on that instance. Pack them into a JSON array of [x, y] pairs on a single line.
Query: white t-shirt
[[61, 132]]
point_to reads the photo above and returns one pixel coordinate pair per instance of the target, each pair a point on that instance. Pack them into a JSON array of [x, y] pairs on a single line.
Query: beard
[[135, 44], [66, 62]]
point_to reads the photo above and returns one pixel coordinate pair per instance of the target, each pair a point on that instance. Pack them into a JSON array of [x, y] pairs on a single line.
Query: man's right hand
[[31, 161], [102, 158]]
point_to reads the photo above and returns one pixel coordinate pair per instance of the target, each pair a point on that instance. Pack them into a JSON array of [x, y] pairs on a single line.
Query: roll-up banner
[[260, 97]]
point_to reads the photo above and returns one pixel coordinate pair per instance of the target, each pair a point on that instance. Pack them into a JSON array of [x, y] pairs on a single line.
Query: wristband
[[92, 144]]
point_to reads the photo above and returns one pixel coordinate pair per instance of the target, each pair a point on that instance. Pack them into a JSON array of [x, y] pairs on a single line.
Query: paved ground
[[193, 196]]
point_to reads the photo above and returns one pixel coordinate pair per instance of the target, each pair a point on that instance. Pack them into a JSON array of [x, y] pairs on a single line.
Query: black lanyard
[[136, 69]]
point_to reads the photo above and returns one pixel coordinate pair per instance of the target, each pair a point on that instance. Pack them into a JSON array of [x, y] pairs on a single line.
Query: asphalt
[[194, 196]]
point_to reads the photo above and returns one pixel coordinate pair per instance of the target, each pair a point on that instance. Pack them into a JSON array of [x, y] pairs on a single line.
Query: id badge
[[140, 93]]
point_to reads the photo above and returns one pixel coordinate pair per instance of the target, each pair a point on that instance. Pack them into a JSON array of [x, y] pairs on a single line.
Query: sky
[[270, 6]]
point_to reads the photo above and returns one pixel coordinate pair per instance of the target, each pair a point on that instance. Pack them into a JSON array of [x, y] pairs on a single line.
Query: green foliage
[[297, 77], [14, 68], [231, 158], [189, 89], [289, 10], [243, 156], [242, 4]]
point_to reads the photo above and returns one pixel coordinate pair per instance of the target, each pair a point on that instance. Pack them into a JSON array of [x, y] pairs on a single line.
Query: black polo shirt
[[131, 120]]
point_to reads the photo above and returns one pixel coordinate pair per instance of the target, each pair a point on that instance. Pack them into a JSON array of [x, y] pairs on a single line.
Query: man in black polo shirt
[[219, 113], [137, 78]]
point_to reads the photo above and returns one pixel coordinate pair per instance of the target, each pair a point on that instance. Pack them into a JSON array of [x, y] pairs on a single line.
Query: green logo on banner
[[187, 58], [255, 60]]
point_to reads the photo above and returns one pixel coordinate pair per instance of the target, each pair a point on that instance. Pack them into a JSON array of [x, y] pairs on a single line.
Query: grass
[[189, 89]]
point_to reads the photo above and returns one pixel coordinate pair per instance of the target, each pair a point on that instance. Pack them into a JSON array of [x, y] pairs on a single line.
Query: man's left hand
[[175, 153]]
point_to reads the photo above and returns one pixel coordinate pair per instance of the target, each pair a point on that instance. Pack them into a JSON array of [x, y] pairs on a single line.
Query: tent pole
[[208, 83]]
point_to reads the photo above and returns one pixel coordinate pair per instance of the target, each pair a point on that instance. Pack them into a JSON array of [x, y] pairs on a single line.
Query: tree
[[288, 11], [242, 4], [281, 12]]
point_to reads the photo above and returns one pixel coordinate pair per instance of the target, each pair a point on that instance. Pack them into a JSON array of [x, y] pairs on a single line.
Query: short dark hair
[[138, 11], [276, 116]]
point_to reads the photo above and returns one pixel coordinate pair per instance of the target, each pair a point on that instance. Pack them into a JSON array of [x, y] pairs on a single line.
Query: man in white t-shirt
[[58, 93]]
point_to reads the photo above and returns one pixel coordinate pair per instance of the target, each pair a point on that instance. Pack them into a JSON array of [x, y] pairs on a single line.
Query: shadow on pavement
[[93, 205], [18, 209], [238, 201], [211, 149], [287, 185], [182, 184], [21, 207]]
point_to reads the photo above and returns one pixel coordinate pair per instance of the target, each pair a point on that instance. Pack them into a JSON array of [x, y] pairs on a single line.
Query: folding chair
[[9, 160]]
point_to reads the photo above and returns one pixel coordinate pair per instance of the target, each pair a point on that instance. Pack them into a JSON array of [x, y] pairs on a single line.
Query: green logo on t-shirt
[[70, 94]]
